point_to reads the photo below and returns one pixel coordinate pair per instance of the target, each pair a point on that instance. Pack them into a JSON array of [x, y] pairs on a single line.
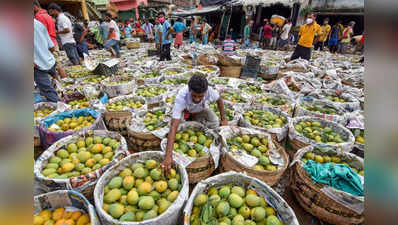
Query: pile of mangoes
[[315, 131], [207, 69], [251, 88], [61, 216], [80, 74], [141, 192], [150, 91], [79, 103], [219, 81], [326, 159], [325, 109], [336, 99], [154, 120], [43, 112], [255, 146], [94, 79], [229, 112], [74, 68], [232, 205], [148, 75], [126, 103], [177, 81], [74, 123], [82, 157], [171, 99], [233, 97], [191, 143], [121, 81], [264, 119], [359, 136], [268, 100]]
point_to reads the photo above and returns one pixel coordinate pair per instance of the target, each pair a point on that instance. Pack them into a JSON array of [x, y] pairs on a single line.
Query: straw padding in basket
[[117, 121], [204, 60], [314, 201], [142, 141], [230, 71], [133, 45], [228, 163], [200, 169]]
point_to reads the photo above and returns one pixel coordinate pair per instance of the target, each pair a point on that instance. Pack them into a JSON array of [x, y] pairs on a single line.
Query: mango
[[235, 200], [252, 200], [139, 172], [57, 214], [115, 182], [222, 208], [238, 220], [156, 174], [128, 182], [45, 214], [62, 153], [150, 215], [146, 202], [273, 220], [161, 186], [144, 188], [132, 197], [172, 196], [173, 184], [200, 200], [38, 220], [128, 217], [224, 192], [112, 196], [116, 210], [150, 164]]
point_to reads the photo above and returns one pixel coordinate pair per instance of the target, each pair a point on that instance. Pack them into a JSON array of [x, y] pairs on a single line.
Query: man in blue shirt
[[179, 27], [166, 38], [44, 61]]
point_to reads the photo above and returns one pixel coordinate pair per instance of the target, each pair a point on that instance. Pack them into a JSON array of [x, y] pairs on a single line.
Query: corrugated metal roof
[[192, 12]]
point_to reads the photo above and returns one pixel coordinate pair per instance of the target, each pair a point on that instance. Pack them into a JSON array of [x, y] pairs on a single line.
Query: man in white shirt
[[285, 35], [112, 42], [191, 102], [65, 32]]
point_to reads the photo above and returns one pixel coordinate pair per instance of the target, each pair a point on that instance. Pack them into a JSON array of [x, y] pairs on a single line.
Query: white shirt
[[115, 27], [285, 31], [64, 22], [184, 101]]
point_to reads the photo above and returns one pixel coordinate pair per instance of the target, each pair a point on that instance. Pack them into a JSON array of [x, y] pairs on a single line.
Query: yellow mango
[[57, 214]]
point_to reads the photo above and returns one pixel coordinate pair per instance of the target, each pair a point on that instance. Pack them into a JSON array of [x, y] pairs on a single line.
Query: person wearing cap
[[346, 38], [191, 104], [307, 35], [65, 32], [267, 33]]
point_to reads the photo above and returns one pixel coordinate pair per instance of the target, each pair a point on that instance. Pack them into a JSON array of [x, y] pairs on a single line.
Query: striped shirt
[[229, 47]]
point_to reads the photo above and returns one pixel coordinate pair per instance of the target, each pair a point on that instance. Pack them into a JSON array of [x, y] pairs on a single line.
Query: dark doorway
[[333, 19]]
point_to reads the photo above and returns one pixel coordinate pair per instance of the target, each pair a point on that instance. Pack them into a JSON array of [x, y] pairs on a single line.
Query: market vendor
[[307, 34], [190, 104]]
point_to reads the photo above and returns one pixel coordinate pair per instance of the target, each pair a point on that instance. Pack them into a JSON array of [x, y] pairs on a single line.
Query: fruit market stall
[[109, 131]]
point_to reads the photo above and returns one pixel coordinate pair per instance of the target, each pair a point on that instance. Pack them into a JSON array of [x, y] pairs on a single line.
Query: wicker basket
[[227, 61], [228, 163], [204, 60], [117, 121], [316, 202], [200, 169], [133, 45], [230, 71], [142, 141]]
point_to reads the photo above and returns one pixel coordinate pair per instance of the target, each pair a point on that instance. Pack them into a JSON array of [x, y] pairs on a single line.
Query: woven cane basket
[[228, 163], [200, 169], [230, 71], [314, 201], [140, 142], [117, 121]]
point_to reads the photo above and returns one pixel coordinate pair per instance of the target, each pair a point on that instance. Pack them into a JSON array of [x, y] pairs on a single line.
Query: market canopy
[[213, 2], [348, 6], [267, 2], [197, 11]]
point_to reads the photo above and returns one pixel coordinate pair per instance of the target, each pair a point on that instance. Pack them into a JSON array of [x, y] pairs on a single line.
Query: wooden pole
[[84, 10], [219, 28]]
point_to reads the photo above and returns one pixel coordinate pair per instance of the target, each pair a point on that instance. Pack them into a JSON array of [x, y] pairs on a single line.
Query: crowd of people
[[74, 38]]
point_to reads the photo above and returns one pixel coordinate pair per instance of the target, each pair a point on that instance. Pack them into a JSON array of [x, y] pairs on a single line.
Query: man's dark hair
[[108, 15], [36, 3], [161, 13], [198, 83], [326, 19], [179, 20], [54, 6]]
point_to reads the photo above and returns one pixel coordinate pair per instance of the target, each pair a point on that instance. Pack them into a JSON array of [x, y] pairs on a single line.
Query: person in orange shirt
[[307, 34]]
